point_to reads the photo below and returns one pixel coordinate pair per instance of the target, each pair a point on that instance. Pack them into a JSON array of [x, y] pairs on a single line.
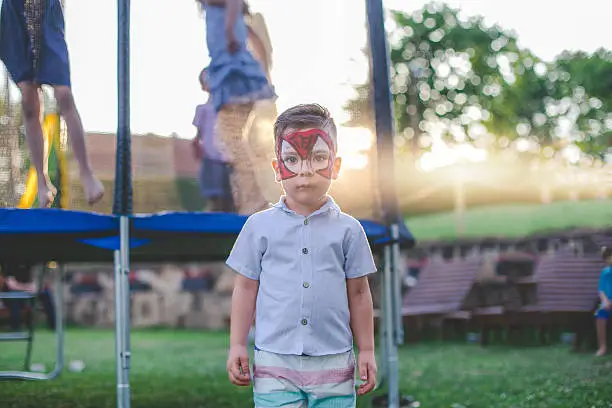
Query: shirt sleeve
[[245, 257], [358, 259]]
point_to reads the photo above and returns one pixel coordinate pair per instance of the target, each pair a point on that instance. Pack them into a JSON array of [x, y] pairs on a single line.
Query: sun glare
[[353, 147], [442, 155]]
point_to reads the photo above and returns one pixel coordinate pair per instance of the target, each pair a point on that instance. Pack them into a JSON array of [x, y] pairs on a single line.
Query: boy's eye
[[290, 159], [321, 158]]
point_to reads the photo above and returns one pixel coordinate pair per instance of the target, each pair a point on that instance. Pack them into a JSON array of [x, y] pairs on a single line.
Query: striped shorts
[[291, 381]]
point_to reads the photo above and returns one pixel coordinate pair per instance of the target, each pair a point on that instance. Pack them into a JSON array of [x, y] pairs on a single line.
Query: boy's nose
[[306, 169]]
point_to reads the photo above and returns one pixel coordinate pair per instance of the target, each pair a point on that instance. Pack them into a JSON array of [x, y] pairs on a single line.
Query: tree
[[581, 104], [445, 74], [461, 81]]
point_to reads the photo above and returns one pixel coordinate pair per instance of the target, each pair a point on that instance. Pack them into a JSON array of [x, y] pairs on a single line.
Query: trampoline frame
[[58, 300]]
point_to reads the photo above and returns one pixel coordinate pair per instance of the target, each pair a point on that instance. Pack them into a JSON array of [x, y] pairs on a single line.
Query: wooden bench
[[436, 299], [567, 289]]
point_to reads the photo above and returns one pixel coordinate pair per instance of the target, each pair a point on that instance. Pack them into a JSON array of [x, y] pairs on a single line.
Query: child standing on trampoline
[[34, 51], [215, 169], [236, 81], [602, 315], [302, 270]]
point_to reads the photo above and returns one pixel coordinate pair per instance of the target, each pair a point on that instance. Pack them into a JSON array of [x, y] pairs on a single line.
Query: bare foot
[[601, 352], [94, 190], [46, 192]]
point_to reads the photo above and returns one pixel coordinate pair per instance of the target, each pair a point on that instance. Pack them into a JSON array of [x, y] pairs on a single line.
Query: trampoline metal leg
[[118, 330], [382, 329], [397, 286], [59, 332], [390, 344], [122, 316], [38, 279]]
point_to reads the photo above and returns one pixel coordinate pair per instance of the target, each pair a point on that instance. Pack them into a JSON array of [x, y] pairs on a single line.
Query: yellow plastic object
[[55, 158]]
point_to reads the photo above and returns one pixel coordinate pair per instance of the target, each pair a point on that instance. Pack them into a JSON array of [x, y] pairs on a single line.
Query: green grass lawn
[[187, 369], [513, 220]]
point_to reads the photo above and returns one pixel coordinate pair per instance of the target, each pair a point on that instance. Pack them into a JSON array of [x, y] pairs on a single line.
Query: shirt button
[[306, 221], [306, 284], [304, 322], [305, 251]]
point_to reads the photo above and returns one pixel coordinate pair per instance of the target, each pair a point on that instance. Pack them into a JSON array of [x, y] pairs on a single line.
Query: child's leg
[[94, 190], [233, 120], [601, 322], [30, 105]]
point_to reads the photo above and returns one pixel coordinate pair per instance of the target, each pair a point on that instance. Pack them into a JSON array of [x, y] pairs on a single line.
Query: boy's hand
[[607, 305], [366, 364], [238, 366]]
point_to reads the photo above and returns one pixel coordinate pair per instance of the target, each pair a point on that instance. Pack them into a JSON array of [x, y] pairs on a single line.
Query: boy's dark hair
[[310, 115], [606, 252]]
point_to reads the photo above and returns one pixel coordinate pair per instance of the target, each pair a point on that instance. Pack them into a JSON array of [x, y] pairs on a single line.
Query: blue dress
[[232, 78], [32, 43]]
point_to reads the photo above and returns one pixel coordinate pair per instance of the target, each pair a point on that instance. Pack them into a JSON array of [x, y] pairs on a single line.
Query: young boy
[[302, 270], [605, 294], [33, 48], [215, 170]]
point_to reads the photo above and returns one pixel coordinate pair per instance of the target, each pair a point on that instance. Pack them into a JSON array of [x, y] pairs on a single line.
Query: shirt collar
[[329, 206]]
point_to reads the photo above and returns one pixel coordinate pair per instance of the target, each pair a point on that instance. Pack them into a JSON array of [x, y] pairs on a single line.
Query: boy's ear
[[277, 175], [336, 168]]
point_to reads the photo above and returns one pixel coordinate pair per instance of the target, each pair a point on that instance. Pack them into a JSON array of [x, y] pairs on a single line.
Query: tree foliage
[[459, 81]]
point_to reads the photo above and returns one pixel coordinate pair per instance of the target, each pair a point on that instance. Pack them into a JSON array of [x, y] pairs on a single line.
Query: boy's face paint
[[305, 151]]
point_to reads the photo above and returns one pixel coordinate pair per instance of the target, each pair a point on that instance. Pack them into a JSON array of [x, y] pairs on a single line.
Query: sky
[[316, 44]]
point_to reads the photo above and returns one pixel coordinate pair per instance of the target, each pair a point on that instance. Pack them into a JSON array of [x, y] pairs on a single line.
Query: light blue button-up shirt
[[302, 264]]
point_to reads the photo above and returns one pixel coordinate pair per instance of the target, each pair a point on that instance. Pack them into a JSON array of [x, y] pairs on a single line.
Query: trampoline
[[62, 236], [40, 236], [36, 236]]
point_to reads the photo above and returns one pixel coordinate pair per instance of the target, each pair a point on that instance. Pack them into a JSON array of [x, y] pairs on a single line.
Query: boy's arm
[[245, 259], [362, 312], [604, 299], [358, 264], [243, 309], [241, 318], [602, 295], [362, 326]]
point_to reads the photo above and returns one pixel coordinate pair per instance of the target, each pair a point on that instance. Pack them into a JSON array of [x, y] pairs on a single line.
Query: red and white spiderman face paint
[[305, 152]]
